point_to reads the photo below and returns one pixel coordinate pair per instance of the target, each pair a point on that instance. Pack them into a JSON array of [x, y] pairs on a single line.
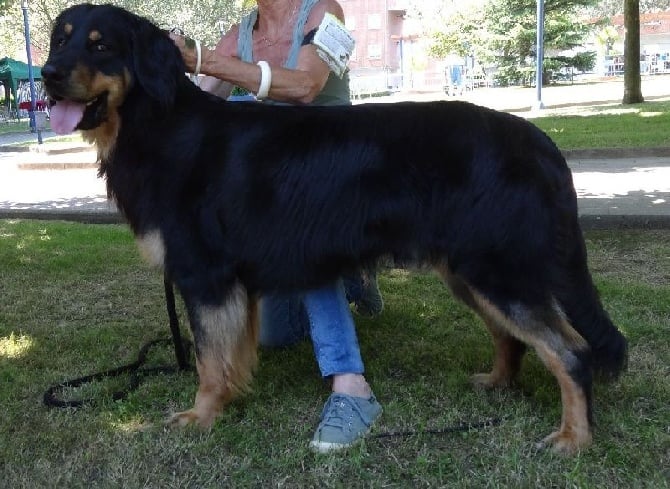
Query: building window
[[374, 21], [374, 51]]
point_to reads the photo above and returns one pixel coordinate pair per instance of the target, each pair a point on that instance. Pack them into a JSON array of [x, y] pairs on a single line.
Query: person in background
[[271, 56]]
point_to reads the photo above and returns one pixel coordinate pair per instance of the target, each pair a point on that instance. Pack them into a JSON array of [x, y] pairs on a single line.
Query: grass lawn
[[75, 299], [645, 125], [9, 127]]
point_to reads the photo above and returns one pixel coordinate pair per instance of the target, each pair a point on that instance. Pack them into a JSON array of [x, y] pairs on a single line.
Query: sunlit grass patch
[[616, 126], [15, 346]]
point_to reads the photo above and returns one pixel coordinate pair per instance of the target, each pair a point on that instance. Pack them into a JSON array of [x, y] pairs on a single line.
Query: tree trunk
[[632, 82]]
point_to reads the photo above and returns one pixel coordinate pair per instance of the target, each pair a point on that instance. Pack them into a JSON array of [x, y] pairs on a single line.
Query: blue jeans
[[324, 313]]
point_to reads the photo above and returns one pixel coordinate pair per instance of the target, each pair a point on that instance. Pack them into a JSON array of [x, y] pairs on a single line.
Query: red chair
[[39, 105]]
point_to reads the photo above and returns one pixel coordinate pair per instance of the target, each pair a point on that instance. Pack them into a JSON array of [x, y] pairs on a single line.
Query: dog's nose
[[51, 73]]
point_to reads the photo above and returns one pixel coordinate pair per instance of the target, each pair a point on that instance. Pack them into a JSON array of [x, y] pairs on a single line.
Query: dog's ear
[[157, 63]]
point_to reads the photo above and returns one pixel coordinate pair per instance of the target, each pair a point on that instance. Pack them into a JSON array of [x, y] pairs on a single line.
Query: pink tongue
[[65, 116]]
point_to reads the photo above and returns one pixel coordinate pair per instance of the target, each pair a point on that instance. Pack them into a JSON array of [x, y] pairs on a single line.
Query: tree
[[4, 6], [606, 37], [201, 19], [11, 28], [456, 30], [609, 8], [503, 32], [632, 81], [514, 25]]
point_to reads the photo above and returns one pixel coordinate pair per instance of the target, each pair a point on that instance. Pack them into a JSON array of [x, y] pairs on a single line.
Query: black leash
[[462, 427], [181, 349]]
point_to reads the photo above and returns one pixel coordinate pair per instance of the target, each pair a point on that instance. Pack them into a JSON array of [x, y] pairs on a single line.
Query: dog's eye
[[101, 48], [60, 42]]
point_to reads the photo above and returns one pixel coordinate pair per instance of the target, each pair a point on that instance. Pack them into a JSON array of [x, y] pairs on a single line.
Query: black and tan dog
[[235, 200]]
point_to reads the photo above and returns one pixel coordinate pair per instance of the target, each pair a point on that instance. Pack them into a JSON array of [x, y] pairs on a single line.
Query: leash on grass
[[134, 369], [457, 428]]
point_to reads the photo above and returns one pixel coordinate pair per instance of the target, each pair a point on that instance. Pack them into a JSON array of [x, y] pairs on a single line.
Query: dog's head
[[101, 55]]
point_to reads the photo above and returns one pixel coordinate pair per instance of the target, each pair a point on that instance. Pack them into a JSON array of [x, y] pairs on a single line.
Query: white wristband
[[198, 63], [198, 53], [266, 80]]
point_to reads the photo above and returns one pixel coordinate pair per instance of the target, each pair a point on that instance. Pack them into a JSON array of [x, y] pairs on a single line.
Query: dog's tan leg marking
[[508, 350], [507, 360], [554, 343], [575, 431], [226, 356], [152, 248]]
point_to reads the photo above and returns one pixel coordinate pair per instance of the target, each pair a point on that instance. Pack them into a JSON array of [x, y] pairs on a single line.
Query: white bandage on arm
[[334, 44], [266, 80]]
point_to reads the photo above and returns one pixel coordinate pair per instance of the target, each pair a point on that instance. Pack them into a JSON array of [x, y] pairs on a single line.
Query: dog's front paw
[[566, 442], [190, 418]]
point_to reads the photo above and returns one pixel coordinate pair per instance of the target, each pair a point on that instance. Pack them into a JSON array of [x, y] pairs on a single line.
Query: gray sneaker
[[345, 420]]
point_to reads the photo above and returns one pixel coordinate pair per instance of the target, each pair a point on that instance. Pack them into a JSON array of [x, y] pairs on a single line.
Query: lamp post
[[539, 54], [31, 79]]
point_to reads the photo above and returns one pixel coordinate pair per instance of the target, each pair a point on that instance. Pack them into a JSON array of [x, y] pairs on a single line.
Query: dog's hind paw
[[490, 381], [190, 418], [565, 443]]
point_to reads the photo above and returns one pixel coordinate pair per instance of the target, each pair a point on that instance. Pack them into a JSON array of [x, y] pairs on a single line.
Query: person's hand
[[186, 46]]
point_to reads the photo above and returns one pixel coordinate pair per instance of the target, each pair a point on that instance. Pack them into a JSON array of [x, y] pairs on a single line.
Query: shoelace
[[344, 409]]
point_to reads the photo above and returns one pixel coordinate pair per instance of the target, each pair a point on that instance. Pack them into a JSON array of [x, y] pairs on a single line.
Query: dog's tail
[[579, 299]]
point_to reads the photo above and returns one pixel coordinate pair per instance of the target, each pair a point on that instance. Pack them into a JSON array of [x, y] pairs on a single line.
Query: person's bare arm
[[217, 87], [300, 85]]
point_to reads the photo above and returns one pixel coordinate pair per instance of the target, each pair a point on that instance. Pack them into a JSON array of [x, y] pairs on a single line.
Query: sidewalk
[[51, 181], [623, 191]]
